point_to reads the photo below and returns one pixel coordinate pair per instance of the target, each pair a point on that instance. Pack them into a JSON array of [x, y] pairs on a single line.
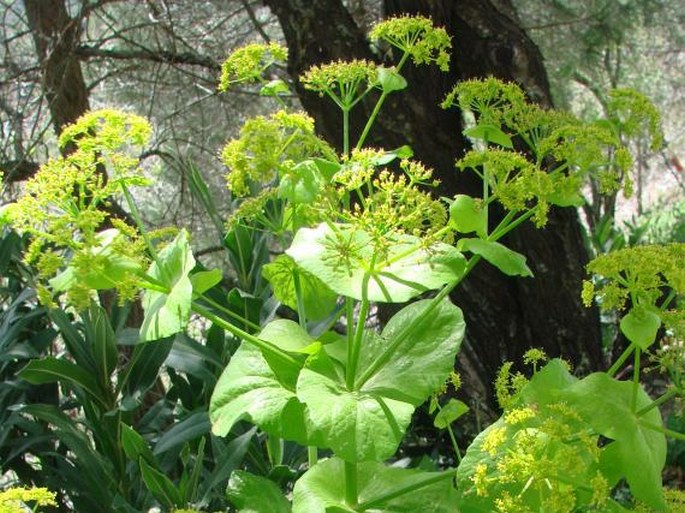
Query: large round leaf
[[421, 341], [341, 256], [249, 389]]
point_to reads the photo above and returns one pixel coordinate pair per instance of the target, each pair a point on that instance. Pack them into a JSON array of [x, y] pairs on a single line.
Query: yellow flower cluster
[[248, 64], [417, 37], [16, 500]]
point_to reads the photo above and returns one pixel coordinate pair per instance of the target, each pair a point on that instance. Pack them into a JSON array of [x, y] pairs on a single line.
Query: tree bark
[[55, 37], [505, 316]]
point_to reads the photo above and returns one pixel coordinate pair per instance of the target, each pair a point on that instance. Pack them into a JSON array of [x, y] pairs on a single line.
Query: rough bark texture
[[505, 316], [55, 36]]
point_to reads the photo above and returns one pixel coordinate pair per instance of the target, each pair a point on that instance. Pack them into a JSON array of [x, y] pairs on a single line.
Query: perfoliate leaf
[[341, 259], [168, 313], [449, 413], [403, 152], [322, 489], [640, 326], [274, 88], [301, 183], [467, 215], [255, 494], [319, 300], [490, 134], [506, 260], [205, 280], [637, 451], [390, 80], [368, 423], [249, 389]]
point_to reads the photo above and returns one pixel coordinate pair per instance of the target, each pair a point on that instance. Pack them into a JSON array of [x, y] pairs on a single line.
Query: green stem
[[453, 439], [301, 312], [411, 328], [346, 132], [501, 232], [141, 227], [658, 401], [262, 345], [351, 371], [668, 432], [228, 312], [351, 493], [380, 501], [377, 108], [621, 360], [312, 455], [636, 380]]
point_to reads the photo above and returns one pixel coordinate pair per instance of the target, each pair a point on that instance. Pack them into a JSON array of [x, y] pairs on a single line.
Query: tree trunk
[[55, 36], [505, 316]]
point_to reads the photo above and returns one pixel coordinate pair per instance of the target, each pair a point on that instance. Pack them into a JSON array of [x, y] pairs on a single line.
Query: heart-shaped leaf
[[467, 215], [341, 257], [390, 80], [490, 134], [249, 389], [255, 494]]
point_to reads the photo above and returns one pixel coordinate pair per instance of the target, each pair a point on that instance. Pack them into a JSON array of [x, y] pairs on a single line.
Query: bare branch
[[161, 56]]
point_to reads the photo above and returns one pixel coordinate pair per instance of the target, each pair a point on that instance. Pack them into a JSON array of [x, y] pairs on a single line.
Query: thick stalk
[[346, 132], [312, 455], [351, 485], [135, 214], [351, 371], [668, 432], [636, 380]]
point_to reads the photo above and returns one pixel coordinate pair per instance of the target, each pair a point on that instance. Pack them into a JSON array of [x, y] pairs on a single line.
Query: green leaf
[[640, 326], [112, 270], [319, 299], [341, 259], [390, 80], [255, 494], [205, 280], [449, 413], [101, 338], [302, 183], [356, 425], [274, 88], [327, 168], [403, 152], [192, 427], [509, 262], [489, 134], [167, 313], [467, 215], [249, 389], [52, 370], [381, 489], [161, 487], [144, 366], [135, 446], [421, 341], [637, 451]]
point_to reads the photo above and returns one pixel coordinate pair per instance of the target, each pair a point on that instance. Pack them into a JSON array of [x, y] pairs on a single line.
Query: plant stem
[[351, 493], [301, 312], [228, 312], [135, 214], [668, 432], [351, 370], [410, 329], [312, 455], [501, 232], [453, 439], [346, 132], [262, 345], [658, 401], [380, 501], [621, 360], [636, 379], [377, 107]]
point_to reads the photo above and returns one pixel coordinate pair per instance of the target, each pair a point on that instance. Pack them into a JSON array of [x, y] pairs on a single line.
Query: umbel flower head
[[16, 500], [64, 207], [343, 81], [248, 63], [417, 37]]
